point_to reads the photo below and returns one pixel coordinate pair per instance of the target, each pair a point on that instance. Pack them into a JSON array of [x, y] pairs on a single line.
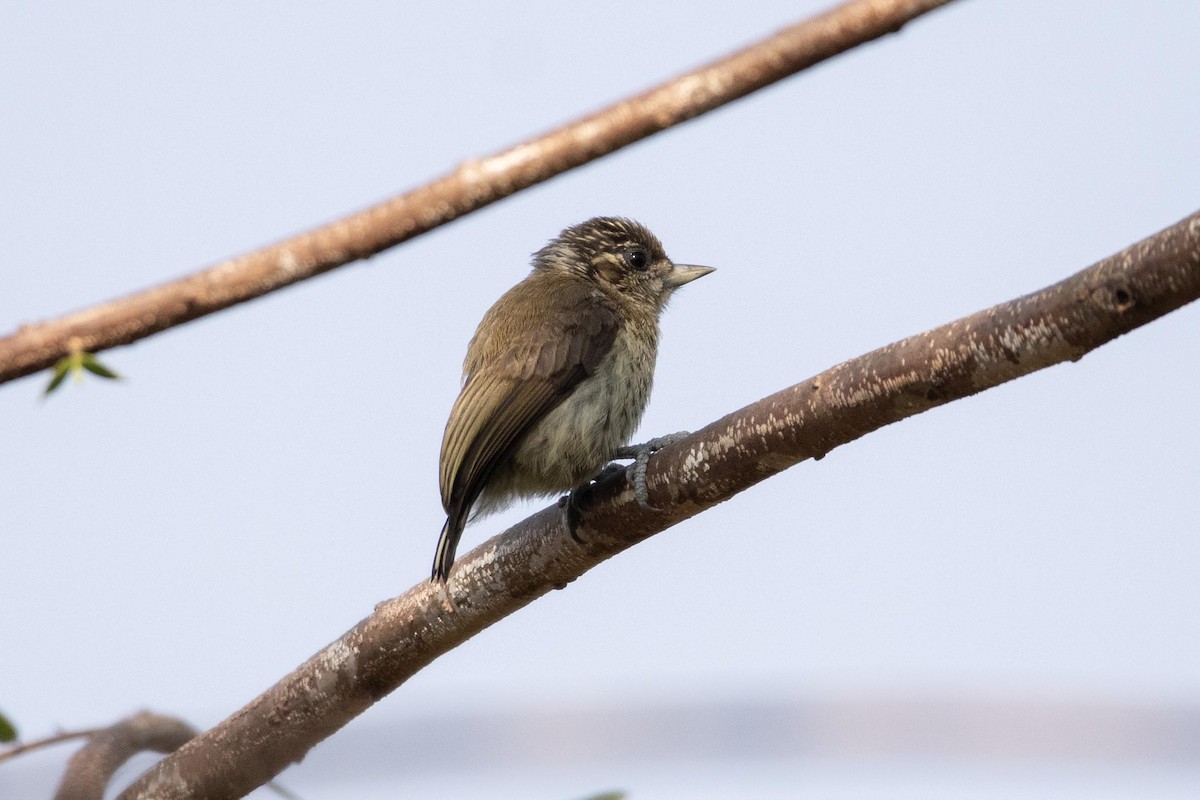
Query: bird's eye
[[637, 258]]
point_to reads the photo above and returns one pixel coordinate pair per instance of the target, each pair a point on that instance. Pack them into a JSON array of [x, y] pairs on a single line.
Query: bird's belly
[[575, 440]]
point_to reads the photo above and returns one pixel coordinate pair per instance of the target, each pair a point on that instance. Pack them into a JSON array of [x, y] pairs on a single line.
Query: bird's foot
[[571, 515], [640, 453], [570, 502], [635, 473]]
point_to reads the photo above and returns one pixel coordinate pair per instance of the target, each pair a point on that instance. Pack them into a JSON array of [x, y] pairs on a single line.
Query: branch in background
[[49, 741], [472, 186], [90, 769], [1060, 323]]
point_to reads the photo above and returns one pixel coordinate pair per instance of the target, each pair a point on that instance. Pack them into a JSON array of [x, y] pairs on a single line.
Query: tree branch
[[90, 769], [49, 741], [1060, 323], [473, 185]]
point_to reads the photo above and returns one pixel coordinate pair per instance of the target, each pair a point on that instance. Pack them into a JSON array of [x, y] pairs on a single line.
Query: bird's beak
[[685, 273]]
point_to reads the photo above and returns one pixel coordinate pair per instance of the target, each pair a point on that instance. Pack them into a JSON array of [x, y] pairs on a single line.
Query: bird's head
[[620, 256]]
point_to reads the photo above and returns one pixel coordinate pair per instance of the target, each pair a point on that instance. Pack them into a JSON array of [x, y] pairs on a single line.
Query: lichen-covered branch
[[1060, 323], [473, 185]]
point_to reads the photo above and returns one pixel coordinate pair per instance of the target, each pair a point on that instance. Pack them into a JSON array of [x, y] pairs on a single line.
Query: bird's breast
[[577, 438]]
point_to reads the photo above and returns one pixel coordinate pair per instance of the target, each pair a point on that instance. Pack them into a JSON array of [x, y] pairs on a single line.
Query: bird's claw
[[570, 501], [571, 513], [640, 453], [635, 473]]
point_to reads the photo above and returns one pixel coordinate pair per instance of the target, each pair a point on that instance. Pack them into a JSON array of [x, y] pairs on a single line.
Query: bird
[[558, 374]]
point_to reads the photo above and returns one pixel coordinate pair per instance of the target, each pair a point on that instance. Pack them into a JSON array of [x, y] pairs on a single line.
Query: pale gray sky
[[264, 476]]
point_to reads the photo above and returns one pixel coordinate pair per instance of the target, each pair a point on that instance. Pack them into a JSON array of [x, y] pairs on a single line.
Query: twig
[[37, 744]]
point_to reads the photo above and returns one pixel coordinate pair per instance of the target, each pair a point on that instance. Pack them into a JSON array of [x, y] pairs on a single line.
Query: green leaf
[[76, 363], [61, 370], [93, 365], [8, 731]]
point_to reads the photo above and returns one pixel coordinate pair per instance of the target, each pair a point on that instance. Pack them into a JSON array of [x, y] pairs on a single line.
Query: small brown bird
[[558, 373]]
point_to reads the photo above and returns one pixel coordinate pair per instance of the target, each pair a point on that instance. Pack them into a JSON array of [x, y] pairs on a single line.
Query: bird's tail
[[443, 559]]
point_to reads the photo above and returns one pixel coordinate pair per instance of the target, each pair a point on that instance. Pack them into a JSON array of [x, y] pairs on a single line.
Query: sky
[[262, 477]]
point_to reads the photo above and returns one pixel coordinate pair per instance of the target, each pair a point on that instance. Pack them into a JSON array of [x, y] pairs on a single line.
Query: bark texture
[[1060, 323]]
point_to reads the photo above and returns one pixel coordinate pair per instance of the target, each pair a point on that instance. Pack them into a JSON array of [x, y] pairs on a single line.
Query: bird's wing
[[522, 382]]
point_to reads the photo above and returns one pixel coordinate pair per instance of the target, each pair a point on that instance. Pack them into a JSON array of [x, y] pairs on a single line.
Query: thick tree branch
[[473, 185], [89, 770], [1059, 323]]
